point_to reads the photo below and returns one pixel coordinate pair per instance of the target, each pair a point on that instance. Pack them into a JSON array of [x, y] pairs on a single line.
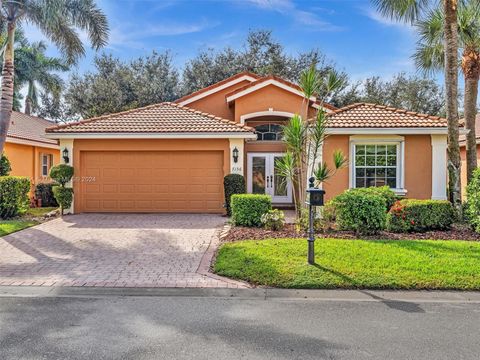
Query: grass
[[372, 264], [11, 226], [39, 211]]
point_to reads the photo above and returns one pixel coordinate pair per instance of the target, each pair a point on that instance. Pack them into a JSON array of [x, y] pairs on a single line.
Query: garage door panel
[[153, 181]]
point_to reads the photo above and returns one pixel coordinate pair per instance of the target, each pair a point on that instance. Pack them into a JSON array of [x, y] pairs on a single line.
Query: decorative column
[[439, 167], [237, 162]]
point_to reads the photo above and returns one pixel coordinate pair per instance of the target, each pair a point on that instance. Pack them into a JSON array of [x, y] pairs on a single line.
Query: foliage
[[273, 220], [61, 173], [13, 196], [64, 196], [379, 264], [472, 207], [302, 221], [247, 209], [43, 191], [412, 92], [116, 86], [233, 184], [411, 215], [11, 226], [383, 191], [5, 166], [360, 211]]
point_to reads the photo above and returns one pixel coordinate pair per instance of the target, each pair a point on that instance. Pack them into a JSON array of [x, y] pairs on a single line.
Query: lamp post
[[315, 198]]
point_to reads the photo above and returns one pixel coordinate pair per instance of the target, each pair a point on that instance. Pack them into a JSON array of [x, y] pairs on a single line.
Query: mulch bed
[[458, 232]]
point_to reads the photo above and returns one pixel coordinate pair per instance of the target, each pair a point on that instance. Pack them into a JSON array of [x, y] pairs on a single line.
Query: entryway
[[263, 177]]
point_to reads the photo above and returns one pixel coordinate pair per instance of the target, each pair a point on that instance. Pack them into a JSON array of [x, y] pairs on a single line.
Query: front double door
[[263, 177]]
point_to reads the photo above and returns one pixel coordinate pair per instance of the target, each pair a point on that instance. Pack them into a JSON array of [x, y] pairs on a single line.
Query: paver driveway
[[127, 250]]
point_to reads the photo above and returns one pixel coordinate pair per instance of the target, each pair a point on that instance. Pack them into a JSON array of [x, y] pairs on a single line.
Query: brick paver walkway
[[117, 250]]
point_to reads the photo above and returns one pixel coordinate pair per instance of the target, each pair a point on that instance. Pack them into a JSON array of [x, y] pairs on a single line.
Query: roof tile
[[27, 127]]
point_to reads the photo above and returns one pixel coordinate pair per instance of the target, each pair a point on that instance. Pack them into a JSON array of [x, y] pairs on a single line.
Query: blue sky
[[348, 32]]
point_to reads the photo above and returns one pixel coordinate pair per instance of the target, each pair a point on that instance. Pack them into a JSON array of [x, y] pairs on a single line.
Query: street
[[189, 327]]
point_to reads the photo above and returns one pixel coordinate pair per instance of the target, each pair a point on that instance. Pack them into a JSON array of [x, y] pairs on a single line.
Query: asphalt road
[[198, 328]]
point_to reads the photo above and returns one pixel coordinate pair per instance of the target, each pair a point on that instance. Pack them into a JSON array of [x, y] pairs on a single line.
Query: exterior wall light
[[66, 159], [235, 155]]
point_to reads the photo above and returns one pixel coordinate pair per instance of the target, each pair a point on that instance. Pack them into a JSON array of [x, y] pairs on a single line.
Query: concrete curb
[[253, 294]]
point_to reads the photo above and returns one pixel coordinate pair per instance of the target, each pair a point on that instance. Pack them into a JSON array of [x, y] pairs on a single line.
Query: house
[[30, 152], [172, 157], [463, 153]]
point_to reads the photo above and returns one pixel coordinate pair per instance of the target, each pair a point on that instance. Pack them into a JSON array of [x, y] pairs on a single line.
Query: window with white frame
[[376, 164], [46, 164]]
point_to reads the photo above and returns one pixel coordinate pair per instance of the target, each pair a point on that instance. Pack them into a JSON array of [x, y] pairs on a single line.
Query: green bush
[[384, 191], [411, 215], [247, 209], [61, 174], [232, 184], [273, 220], [13, 196], [43, 191], [64, 196], [5, 166], [360, 211], [472, 207], [302, 222]]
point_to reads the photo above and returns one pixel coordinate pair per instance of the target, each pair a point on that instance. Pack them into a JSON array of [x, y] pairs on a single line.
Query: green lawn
[[374, 264], [40, 211], [10, 226]]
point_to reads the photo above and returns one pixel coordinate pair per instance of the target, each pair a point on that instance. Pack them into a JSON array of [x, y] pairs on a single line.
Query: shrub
[[13, 196], [43, 191], [273, 220], [62, 174], [303, 220], [5, 166], [411, 215], [472, 207], [232, 184], [384, 191], [64, 196], [247, 209], [360, 211]]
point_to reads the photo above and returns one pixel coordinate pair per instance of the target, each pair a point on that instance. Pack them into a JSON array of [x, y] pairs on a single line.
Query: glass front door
[[263, 177]]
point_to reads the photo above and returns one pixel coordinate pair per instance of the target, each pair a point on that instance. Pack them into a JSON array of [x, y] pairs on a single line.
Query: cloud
[[385, 21], [289, 8]]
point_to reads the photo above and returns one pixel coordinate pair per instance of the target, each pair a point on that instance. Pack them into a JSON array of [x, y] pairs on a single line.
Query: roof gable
[[365, 115], [29, 128], [165, 118]]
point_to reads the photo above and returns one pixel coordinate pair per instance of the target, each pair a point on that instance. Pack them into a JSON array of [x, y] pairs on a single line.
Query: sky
[[349, 32]]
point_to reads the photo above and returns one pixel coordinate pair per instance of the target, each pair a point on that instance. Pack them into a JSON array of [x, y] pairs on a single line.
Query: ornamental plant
[[247, 209], [13, 196], [273, 220], [233, 184], [5, 166], [472, 207], [62, 174]]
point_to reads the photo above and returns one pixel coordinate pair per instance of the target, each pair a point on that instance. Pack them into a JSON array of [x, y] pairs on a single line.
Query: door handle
[[267, 178]]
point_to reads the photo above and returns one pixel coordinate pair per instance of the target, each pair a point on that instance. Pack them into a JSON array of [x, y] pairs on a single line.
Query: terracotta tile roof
[[31, 128], [462, 137], [364, 115], [276, 78], [159, 118], [220, 83]]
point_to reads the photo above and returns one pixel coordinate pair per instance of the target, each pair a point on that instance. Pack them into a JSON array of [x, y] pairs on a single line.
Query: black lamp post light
[[314, 198], [235, 155], [66, 159]]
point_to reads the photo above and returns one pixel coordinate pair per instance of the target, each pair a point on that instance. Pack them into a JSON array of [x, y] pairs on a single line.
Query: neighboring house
[[463, 153], [172, 157], [30, 152]]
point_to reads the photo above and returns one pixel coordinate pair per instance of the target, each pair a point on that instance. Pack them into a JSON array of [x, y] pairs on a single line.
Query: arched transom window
[[269, 132]]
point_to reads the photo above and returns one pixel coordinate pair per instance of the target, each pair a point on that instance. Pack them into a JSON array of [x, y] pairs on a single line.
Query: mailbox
[[315, 196]]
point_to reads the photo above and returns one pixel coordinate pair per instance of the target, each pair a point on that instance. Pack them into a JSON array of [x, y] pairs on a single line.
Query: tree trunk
[[451, 86], [28, 105], [471, 70], [6, 101]]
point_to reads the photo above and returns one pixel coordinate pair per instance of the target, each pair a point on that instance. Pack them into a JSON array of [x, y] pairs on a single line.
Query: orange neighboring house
[[172, 157], [30, 152], [463, 153]]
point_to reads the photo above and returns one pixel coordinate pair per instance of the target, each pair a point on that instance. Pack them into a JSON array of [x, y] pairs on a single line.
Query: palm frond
[[407, 11], [310, 81]]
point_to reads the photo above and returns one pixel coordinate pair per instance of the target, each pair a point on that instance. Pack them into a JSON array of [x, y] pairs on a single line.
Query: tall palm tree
[[36, 70], [59, 21], [430, 56], [411, 11]]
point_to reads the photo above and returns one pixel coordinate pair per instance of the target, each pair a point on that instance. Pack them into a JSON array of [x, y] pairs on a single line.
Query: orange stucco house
[[172, 157], [30, 152], [463, 153]]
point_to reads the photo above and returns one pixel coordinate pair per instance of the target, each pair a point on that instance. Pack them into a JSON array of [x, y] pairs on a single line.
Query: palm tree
[[430, 56], [34, 69], [411, 11], [59, 21]]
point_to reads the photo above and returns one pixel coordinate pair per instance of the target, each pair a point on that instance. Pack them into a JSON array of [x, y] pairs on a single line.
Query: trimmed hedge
[[384, 191], [412, 215], [472, 207], [64, 196], [360, 211], [5, 166], [247, 209], [13, 196], [61, 173], [43, 191], [233, 184]]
